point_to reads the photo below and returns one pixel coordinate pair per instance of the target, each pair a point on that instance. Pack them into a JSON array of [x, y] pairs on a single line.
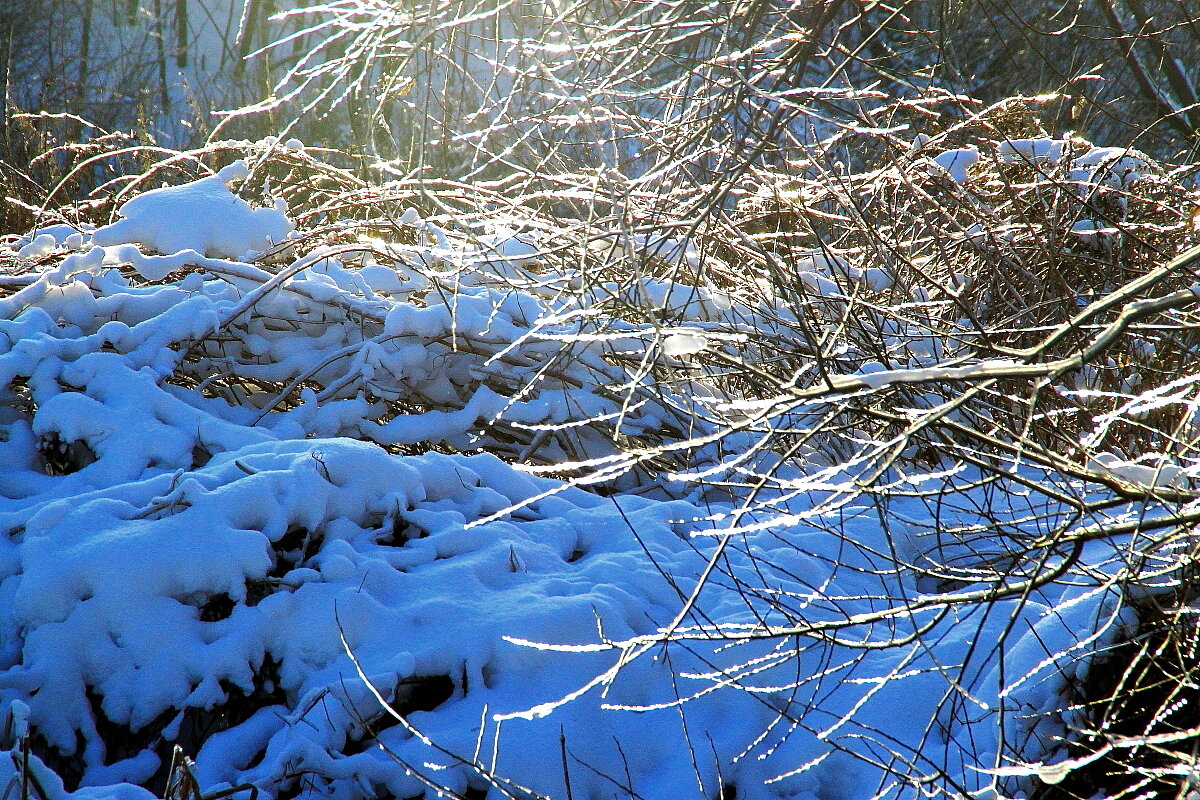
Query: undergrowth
[[829, 316]]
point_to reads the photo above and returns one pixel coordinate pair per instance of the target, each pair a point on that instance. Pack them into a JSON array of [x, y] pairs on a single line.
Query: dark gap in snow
[[220, 605], [120, 742], [292, 539], [415, 693], [256, 590], [576, 554], [488, 673], [68, 766], [400, 533], [373, 727], [422, 693], [1142, 686], [201, 723], [17, 396], [217, 607], [476, 793], [63, 458], [290, 790], [201, 455], [728, 792], [372, 520], [256, 759], [297, 545]]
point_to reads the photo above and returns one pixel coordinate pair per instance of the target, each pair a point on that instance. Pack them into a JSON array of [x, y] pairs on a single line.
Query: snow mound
[[958, 162], [204, 216]]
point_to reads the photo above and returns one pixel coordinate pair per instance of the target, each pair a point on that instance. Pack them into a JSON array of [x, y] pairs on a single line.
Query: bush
[[870, 414]]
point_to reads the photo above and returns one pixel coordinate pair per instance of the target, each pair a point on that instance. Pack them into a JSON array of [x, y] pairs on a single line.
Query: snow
[[42, 245], [1082, 162], [185, 549], [671, 250], [1093, 234], [684, 343], [203, 216], [1149, 471], [1114, 166], [957, 162], [1037, 150], [820, 269]]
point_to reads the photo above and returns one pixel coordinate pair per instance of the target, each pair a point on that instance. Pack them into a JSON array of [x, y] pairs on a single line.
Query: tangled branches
[[916, 372]]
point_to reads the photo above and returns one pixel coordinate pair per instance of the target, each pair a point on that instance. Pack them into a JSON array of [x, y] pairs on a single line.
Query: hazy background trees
[[420, 73]]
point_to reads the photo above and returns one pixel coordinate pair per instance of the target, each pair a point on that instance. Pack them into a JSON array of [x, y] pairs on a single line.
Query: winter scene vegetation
[[576, 399]]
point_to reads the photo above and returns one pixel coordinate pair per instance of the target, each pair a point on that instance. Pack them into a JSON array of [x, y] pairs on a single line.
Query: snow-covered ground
[[341, 589]]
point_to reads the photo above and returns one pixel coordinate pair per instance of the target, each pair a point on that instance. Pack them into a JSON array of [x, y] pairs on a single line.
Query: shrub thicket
[[758, 282]]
